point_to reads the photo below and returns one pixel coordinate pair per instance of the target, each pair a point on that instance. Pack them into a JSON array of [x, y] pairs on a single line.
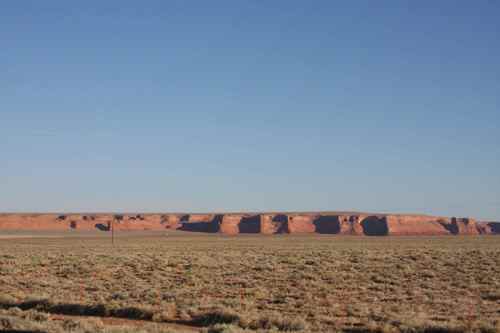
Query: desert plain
[[189, 275]]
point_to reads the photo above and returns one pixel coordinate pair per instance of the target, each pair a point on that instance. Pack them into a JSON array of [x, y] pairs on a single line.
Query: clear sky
[[386, 106]]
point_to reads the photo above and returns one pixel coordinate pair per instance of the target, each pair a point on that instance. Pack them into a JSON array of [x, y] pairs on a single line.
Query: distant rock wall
[[494, 227], [259, 223], [301, 224], [415, 225]]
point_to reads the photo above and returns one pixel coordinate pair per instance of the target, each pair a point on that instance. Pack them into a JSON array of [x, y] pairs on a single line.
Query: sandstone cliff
[[258, 223]]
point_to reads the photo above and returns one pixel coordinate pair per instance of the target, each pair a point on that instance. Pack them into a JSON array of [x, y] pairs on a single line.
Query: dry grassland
[[213, 283]]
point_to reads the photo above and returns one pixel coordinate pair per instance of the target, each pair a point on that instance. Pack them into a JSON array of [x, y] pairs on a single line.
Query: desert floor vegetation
[[180, 282]]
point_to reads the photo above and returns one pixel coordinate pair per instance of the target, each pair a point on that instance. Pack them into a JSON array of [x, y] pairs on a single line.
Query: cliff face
[[264, 223], [416, 225], [300, 223], [494, 227]]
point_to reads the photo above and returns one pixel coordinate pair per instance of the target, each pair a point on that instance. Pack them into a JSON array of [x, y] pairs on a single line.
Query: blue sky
[[387, 106]]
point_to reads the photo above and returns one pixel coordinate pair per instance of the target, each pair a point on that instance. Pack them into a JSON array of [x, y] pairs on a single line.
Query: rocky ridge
[[257, 223]]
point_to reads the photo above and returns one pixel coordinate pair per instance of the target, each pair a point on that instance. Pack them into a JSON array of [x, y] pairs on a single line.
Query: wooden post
[[113, 231]]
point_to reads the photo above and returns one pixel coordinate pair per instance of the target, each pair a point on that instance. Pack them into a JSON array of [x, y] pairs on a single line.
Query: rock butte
[[257, 223]]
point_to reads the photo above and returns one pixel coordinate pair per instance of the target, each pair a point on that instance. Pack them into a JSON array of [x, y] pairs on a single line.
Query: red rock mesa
[[257, 223]]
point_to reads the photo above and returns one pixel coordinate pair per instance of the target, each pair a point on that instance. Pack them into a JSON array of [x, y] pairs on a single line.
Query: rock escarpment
[[257, 223]]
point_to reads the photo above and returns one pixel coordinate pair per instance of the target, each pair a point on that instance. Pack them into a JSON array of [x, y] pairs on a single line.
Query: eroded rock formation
[[258, 223]]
